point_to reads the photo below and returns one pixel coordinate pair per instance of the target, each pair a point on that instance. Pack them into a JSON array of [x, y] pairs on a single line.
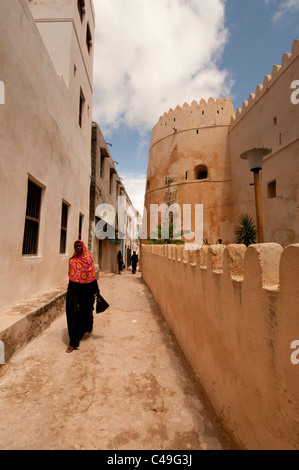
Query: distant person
[[82, 290], [134, 261], [119, 262]]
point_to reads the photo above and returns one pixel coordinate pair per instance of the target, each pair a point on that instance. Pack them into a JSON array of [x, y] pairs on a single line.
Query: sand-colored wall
[[183, 139], [64, 35], [234, 312], [270, 119], [210, 133], [102, 193], [40, 139]]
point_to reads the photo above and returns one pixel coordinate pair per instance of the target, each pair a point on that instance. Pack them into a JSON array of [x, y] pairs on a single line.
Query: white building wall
[[41, 139]]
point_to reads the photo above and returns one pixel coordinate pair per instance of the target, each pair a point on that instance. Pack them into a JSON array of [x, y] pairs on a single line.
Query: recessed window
[[63, 230], [111, 181], [81, 108], [81, 216], [102, 166], [88, 38], [81, 9], [118, 188], [32, 219], [201, 172], [275, 121], [271, 189]]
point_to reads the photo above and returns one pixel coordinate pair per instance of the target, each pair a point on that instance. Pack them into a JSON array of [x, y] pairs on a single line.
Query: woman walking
[[82, 289], [134, 261], [119, 262]]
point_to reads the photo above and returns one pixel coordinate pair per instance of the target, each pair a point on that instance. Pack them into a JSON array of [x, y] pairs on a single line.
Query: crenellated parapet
[[194, 116], [264, 263], [269, 80], [234, 313]]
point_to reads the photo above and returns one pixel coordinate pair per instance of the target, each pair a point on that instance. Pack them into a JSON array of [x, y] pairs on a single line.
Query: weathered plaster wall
[[269, 119], [234, 312], [182, 140], [106, 191], [64, 35], [104, 252], [210, 134], [40, 139]]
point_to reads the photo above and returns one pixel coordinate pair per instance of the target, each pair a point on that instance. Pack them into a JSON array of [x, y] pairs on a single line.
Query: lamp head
[[255, 158]]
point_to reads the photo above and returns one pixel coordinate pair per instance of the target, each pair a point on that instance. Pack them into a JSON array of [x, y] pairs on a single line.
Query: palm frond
[[246, 231]]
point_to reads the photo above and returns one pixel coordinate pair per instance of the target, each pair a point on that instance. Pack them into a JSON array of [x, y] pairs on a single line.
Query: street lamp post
[[255, 160]]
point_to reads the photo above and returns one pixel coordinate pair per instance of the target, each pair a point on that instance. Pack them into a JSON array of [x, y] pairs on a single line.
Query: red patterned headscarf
[[81, 267]]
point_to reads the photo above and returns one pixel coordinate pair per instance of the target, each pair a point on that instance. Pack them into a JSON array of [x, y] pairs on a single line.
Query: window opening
[[201, 172], [32, 219], [271, 189], [111, 181], [88, 38], [102, 166], [81, 108], [81, 9], [63, 231], [80, 226]]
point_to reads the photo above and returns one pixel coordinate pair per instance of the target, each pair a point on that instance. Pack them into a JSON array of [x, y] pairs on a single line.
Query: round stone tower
[[189, 164]]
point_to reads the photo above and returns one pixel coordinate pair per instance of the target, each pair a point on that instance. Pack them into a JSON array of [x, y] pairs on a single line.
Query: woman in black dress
[[82, 290]]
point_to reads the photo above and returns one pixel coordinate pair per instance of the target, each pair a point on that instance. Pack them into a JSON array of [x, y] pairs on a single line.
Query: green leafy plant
[[246, 231], [172, 239]]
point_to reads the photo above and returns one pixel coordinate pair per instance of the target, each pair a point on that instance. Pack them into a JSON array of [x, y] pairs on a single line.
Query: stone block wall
[[234, 312]]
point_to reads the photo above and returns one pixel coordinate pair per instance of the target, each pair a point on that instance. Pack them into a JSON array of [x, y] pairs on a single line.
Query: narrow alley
[[128, 387]]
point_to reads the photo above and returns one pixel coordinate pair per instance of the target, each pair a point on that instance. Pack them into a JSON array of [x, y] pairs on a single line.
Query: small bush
[[246, 231]]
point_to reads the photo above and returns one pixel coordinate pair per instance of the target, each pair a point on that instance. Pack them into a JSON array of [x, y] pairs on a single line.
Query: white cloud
[[135, 187], [285, 7], [151, 55]]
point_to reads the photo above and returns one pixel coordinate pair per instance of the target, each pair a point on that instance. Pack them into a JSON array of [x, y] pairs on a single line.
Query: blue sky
[[151, 55]]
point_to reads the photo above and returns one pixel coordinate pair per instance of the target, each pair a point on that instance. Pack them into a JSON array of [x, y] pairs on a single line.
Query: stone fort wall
[[189, 162], [270, 118], [234, 312], [194, 157]]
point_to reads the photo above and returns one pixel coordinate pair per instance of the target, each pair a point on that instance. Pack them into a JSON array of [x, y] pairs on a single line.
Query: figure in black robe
[[134, 261], [81, 293]]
